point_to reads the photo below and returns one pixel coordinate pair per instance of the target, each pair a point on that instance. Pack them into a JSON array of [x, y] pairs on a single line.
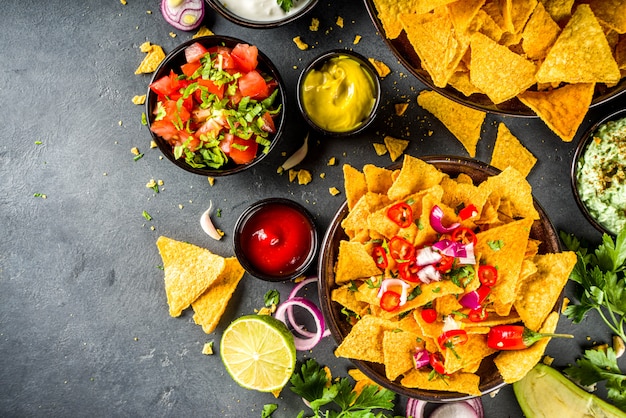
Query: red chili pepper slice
[[516, 337], [390, 300], [436, 362], [478, 314], [429, 315], [464, 235], [400, 249], [488, 275], [401, 214], [483, 292], [380, 257], [445, 264], [467, 212], [452, 338], [408, 271]]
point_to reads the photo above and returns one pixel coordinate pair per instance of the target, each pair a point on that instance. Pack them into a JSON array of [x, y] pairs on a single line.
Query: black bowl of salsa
[[205, 87], [275, 239]]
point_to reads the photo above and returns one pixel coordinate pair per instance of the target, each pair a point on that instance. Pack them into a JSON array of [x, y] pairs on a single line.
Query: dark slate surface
[[84, 326]]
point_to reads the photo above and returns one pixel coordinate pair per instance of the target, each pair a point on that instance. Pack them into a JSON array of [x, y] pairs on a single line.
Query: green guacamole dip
[[601, 175]]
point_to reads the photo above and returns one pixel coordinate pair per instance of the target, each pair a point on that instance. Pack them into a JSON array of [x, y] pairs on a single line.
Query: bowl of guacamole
[[599, 173]]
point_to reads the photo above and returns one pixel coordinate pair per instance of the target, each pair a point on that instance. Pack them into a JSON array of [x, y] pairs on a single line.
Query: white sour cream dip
[[262, 10]]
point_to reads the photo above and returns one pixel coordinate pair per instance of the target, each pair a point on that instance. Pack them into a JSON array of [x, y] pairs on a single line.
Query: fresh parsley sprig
[[597, 366], [335, 400], [286, 5], [602, 281]]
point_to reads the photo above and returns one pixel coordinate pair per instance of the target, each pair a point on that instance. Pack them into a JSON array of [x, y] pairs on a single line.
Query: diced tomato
[[240, 150], [268, 123], [167, 85], [245, 56], [164, 129], [223, 57], [174, 114], [252, 84], [189, 68], [194, 52], [212, 87]]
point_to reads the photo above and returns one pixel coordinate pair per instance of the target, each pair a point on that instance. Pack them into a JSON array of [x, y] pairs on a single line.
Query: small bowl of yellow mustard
[[339, 93]]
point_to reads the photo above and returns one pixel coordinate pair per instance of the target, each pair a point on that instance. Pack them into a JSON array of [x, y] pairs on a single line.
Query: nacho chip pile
[[198, 278], [549, 54], [501, 215]]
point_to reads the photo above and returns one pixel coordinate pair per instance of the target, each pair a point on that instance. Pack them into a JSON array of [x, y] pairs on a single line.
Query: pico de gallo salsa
[[219, 108]]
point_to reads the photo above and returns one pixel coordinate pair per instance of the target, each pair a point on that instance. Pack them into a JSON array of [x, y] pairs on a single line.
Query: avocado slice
[[545, 392]]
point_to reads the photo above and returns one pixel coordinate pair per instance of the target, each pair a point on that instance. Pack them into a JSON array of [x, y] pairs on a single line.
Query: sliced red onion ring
[[470, 300], [292, 321], [436, 217], [471, 408], [183, 14], [463, 252], [303, 344]]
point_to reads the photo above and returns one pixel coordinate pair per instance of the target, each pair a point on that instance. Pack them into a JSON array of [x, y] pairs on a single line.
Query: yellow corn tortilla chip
[[354, 262], [152, 60], [463, 122], [508, 151], [560, 10], [562, 109], [466, 355], [395, 146], [354, 184], [458, 382], [346, 297], [514, 365], [497, 71], [462, 13], [365, 340], [539, 34], [540, 291], [210, 306], [610, 12], [415, 175], [510, 184], [378, 179], [398, 349], [388, 11], [189, 271], [581, 53]]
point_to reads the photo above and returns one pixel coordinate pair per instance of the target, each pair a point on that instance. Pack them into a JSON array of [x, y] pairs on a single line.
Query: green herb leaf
[[146, 215], [268, 409], [272, 297], [286, 5]]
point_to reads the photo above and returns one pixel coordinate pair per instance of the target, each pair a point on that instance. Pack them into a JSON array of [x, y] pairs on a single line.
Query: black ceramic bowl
[[576, 164], [275, 239], [173, 61], [370, 74], [272, 16], [490, 379]]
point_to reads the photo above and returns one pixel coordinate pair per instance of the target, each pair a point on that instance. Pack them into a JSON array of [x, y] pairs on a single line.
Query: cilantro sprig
[[328, 399], [601, 277], [286, 5], [597, 366]]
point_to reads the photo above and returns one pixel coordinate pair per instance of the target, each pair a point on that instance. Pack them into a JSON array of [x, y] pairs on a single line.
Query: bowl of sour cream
[[599, 173], [261, 14]]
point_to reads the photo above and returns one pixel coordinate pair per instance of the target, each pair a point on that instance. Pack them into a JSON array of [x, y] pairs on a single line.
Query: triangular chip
[[388, 11], [354, 262], [189, 271], [581, 53], [395, 146], [415, 175], [463, 122], [354, 184], [562, 109], [365, 340], [462, 13], [458, 382], [511, 185], [560, 10], [610, 12], [539, 292], [152, 60], [508, 151], [378, 179], [539, 34], [496, 70], [210, 306], [398, 349]]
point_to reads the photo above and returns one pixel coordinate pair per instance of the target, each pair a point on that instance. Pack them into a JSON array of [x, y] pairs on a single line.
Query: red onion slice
[[183, 14], [470, 300], [436, 217], [303, 344], [471, 408]]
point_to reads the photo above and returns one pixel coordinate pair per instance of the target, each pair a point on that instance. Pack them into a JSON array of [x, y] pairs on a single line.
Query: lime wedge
[[258, 352]]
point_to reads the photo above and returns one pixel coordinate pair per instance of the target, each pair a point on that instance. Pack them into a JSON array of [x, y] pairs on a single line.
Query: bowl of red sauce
[[275, 239]]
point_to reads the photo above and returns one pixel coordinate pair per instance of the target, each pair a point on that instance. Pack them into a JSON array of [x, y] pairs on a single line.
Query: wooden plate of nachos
[[382, 343], [488, 55]]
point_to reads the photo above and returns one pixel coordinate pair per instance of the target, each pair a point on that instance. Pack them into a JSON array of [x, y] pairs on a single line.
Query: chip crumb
[[333, 191], [149, 12], [139, 99], [547, 360], [293, 174], [152, 60], [332, 161], [207, 349], [172, 35], [430, 133], [211, 180], [381, 68], [357, 39], [135, 150], [401, 108], [119, 123], [565, 303], [151, 184], [315, 25], [153, 144], [304, 177], [180, 206], [300, 43], [339, 21], [322, 175], [203, 31], [380, 149], [123, 2], [395, 146]]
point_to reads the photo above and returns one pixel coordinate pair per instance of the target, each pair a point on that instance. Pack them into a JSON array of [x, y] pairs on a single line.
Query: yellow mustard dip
[[339, 96]]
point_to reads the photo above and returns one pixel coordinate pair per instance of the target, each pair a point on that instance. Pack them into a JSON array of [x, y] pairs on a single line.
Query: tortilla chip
[[520, 11], [508, 151], [497, 71], [354, 183], [395, 146], [346, 297], [581, 53], [510, 184], [540, 291], [388, 11], [398, 349], [365, 340], [612, 13], [562, 109], [210, 306], [460, 80], [378, 179], [415, 175], [560, 10], [189, 271], [466, 355], [463, 122], [458, 382], [514, 365], [539, 34], [462, 13], [354, 262], [152, 60]]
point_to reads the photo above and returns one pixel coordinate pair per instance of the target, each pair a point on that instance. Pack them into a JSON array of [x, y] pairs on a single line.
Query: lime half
[[258, 352]]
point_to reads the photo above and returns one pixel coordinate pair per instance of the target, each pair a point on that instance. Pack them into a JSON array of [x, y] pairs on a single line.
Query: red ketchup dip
[[276, 238]]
